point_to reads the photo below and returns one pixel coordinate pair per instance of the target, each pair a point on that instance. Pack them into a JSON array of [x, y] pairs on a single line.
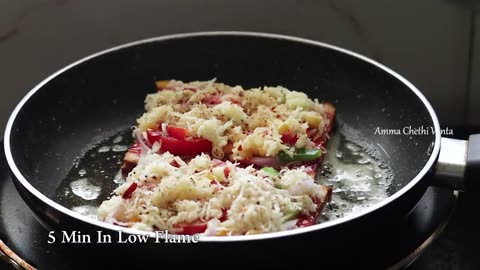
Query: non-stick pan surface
[[102, 94]]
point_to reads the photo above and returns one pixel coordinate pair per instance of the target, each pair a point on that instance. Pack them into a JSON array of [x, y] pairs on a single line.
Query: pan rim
[[58, 207]]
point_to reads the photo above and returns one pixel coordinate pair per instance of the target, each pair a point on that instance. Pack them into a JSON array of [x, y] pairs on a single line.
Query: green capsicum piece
[[301, 155], [291, 214], [284, 98], [271, 171]]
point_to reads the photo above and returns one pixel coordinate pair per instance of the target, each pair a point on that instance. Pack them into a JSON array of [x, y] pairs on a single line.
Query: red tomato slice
[[197, 227], [289, 138], [128, 193], [191, 229], [135, 148], [179, 147], [322, 139], [177, 132], [305, 220], [224, 215]]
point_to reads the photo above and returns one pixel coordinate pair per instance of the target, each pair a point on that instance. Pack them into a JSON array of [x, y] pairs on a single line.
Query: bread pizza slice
[[223, 160]]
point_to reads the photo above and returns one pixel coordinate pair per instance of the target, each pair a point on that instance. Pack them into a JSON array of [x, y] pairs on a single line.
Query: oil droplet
[[351, 146], [119, 148], [100, 168], [363, 161], [86, 210], [358, 176], [103, 149], [84, 189], [118, 139], [119, 181]]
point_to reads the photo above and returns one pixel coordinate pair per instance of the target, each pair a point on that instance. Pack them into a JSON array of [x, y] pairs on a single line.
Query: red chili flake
[[224, 215], [224, 183], [239, 147], [128, 193], [226, 172], [218, 188], [212, 99], [175, 164]]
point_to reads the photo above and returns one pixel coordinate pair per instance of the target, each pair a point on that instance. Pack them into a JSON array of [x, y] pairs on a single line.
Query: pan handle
[[472, 171], [458, 165]]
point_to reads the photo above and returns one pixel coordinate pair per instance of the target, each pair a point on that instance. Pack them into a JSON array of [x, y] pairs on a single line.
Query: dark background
[[433, 43], [430, 42]]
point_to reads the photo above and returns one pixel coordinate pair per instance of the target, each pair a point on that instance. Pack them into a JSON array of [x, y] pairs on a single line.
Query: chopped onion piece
[[156, 146], [266, 162], [141, 141], [291, 224], [212, 227], [304, 186]]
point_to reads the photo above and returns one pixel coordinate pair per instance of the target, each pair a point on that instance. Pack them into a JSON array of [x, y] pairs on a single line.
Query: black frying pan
[[98, 96]]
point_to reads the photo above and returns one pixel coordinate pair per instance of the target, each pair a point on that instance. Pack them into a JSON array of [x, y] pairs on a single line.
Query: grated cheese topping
[[249, 121], [199, 191]]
